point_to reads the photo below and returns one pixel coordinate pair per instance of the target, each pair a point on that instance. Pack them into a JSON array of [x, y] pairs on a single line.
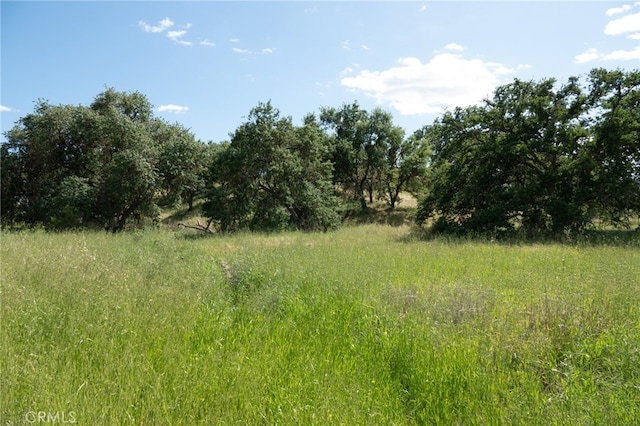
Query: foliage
[[614, 148], [76, 166], [182, 164], [405, 168], [541, 157], [369, 153], [351, 167], [272, 176], [528, 157]]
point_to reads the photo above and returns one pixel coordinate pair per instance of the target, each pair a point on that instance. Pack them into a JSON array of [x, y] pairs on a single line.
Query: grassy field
[[365, 325]]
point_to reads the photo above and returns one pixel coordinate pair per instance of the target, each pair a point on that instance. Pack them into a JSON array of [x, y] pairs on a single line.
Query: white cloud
[[365, 47], [177, 109], [346, 71], [268, 50], [5, 108], [626, 24], [207, 43], [162, 25], [241, 51], [588, 56], [346, 45], [616, 55], [176, 36], [454, 46], [234, 40], [622, 55], [423, 7], [617, 10], [447, 80]]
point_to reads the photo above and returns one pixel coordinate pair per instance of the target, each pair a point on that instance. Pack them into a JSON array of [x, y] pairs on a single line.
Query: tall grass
[[365, 325]]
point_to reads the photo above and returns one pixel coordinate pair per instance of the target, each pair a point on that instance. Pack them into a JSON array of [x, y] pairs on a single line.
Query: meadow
[[367, 325]]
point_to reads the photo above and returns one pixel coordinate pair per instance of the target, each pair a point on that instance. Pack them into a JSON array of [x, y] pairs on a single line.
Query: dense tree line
[[536, 155]]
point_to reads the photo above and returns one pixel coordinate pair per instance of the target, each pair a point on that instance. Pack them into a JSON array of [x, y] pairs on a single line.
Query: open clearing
[[365, 325]]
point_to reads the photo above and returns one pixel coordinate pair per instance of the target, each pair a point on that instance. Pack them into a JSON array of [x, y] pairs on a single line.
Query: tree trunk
[[190, 200], [363, 202], [122, 219]]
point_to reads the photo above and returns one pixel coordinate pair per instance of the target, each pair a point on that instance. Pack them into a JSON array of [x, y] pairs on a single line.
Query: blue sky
[[206, 64]]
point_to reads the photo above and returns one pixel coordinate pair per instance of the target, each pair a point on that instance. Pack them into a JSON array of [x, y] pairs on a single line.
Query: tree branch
[[199, 226]]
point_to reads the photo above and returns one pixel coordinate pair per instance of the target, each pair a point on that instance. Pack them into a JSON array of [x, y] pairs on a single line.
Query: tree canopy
[[69, 166], [539, 156], [368, 153], [273, 176]]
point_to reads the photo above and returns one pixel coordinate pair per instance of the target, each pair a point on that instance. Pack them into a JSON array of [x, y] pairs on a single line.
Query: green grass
[[365, 325]]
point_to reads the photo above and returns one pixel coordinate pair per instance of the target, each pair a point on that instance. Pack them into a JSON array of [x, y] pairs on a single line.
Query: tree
[[348, 155], [74, 166], [364, 149], [511, 161], [42, 151], [383, 141], [12, 184], [132, 105], [613, 150], [181, 164], [122, 198], [406, 165], [272, 176]]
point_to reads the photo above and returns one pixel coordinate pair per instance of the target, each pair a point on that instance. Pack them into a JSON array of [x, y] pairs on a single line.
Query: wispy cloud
[[264, 51], [176, 109], [5, 109], [623, 55], [346, 71], [241, 51], [590, 55], [617, 10], [346, 45], [323, 87], [454, 47], [176, 36], [446, 80], [235, 40], [627, 26], [162, 25], [207, 43]]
